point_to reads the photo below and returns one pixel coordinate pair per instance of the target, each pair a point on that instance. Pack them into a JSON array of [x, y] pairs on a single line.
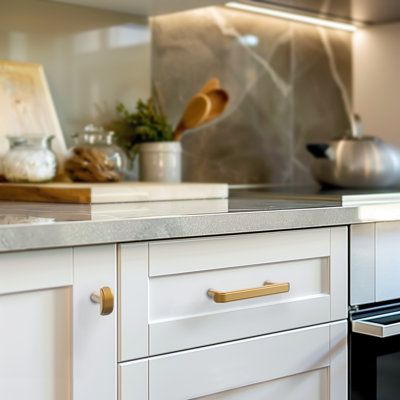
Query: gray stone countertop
[[25, 226]]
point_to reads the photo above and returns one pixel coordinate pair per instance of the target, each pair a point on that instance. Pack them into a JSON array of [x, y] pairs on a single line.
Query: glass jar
[[30, 159], [90, 143]]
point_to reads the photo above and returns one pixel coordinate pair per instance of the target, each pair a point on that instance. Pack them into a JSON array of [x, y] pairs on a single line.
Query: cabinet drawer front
[[311, 360], [182, 315], [311, 385], [202, 372], [164, 304]]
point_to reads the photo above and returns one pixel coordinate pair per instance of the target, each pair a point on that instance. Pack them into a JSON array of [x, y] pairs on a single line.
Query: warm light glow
[[293, 17]]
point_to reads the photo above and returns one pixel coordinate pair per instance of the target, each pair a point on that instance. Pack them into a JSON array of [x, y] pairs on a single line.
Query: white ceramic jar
[[160, 162], [30, 160]]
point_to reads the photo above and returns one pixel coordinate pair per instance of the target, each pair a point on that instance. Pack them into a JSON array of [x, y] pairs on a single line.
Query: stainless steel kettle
[[356, 161]]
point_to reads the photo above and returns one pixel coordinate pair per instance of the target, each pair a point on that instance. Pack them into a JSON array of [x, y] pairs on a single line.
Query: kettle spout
[[319, 150]]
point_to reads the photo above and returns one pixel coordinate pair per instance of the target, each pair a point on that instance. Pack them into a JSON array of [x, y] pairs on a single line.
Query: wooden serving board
[[26, 105], [96, 193]]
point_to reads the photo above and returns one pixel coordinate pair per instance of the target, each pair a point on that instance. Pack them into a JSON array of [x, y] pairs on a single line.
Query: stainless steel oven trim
[[365, 327]]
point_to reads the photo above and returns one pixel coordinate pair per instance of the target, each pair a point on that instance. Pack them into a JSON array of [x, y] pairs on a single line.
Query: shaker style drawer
[[182, 294], [206, 291], [308, 363]]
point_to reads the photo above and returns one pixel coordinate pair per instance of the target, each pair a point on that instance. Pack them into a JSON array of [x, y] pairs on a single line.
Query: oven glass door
[[375, 358]]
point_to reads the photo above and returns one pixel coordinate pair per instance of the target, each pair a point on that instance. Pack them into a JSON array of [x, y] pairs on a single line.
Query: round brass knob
[[105, 299]]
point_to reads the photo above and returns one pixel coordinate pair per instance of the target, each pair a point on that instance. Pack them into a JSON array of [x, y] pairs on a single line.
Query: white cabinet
[[308, 363], [53, 342], [94, 343], [374, 262], [179, 341], [387, 271], [306, 271], [233, 317]]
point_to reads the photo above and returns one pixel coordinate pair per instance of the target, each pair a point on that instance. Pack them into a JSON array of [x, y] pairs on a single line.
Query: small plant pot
[[160, 162]]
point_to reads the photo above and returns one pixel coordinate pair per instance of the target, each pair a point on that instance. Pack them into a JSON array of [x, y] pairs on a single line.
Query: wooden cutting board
[[26, 105], [95, 193]]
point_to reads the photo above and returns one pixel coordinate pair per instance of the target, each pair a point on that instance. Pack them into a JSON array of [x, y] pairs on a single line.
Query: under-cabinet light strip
[[292, 17]]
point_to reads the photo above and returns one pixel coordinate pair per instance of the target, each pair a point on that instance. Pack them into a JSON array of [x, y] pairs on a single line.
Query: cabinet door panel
[[34, 270], [35, 348], [54, 344], [94, 340], [387, 261]]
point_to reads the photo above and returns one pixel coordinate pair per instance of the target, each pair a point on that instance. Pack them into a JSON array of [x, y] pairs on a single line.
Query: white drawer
[[308, 363], [181, 315]]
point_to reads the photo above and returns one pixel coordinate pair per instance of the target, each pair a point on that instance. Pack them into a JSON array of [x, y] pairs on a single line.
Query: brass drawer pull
[[105, 299], [267, 290]]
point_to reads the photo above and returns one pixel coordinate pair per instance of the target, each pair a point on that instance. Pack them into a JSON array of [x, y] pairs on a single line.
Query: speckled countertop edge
[[81, 233]]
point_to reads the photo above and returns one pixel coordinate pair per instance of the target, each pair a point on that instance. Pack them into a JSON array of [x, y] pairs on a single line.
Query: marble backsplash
[[290, 84]]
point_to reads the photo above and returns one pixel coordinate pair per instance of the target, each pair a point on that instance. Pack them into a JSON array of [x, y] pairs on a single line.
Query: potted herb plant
[[146, 131]]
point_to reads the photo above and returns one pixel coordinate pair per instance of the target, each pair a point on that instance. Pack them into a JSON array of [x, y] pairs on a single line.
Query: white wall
[[92, 58], [377, 80]]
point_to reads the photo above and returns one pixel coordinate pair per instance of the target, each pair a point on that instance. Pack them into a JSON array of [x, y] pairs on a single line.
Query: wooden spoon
[[219, 101], [197, 111], [212, 84]]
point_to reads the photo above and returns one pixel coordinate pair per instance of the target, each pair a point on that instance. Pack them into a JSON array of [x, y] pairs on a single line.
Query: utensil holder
[[160, 162]]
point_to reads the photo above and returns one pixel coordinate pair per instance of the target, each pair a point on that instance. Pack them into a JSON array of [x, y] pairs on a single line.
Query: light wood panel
[[26, 105], [94, 193]]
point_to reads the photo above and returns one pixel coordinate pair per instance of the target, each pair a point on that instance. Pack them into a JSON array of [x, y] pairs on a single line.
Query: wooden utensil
[[212, 84], [219, 101], [196, 112]]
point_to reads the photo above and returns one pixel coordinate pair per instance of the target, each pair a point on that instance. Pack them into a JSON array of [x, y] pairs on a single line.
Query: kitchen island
[[211, 299]]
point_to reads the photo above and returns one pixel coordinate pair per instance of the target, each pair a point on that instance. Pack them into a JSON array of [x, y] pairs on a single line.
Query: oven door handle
[[367, 327]]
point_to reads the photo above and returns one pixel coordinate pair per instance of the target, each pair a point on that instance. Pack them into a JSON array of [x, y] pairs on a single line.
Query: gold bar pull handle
[[105, 299], [267, 290]]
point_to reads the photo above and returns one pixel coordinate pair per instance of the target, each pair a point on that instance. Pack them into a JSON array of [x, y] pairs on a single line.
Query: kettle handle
[[318, 150]]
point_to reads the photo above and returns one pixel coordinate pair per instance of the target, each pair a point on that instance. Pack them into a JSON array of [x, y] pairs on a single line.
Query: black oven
[[375, 353]]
